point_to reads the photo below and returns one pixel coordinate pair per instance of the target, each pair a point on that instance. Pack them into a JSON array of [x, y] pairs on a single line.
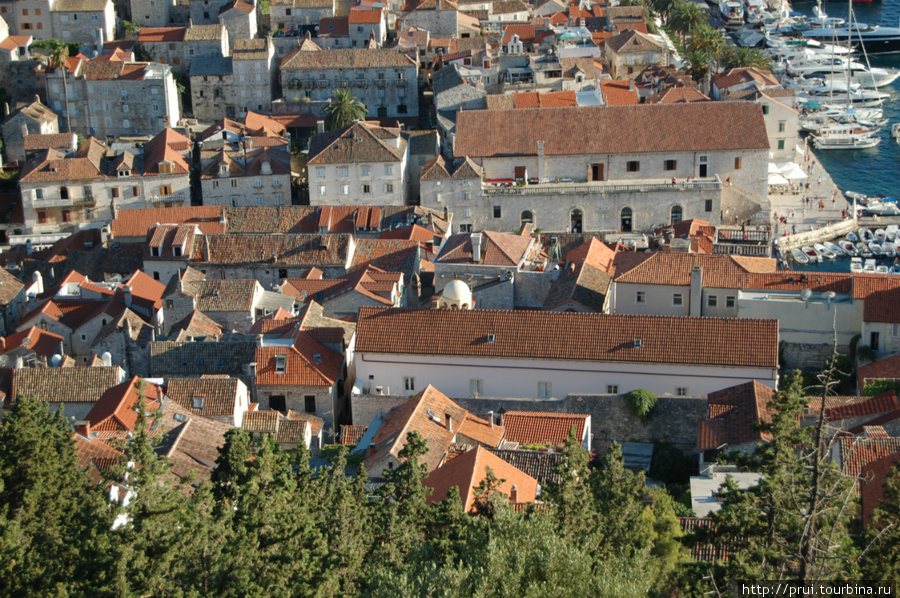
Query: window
[[729, 301], [165, 168], [37, 12], [276, 199], [366, 170], [388, 169], [124, 107], [280, 364], [321, 189], [467, 213], [135, 191], [25, 13], [345, 189], [498, 213], [170, 304], [309, 403], [681, 391], [707, 205], [466, 196], [475, 388], [388, 187], [612, 389], [677, 214], [465, 228], [67, 215], [633, 166], [738, 163], [640, 297], [671, 164], [712, 301], [409, 384], [677, 299], [234, 183], [320, 172], [215, 184], [781, 144], [895, 329], [198, 403], [126, 123], [544, 389], [258, 200], [84, 337], [873, 341], [39, 194], [367, 188], [765, 109], [343, 171], [782, 126]]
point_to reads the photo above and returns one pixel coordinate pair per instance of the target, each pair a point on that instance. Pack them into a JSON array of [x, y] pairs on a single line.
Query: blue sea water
[[876, 170]]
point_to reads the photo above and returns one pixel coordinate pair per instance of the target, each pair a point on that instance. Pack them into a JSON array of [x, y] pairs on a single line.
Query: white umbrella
[[777, 179], [792, 171], [773, 168]]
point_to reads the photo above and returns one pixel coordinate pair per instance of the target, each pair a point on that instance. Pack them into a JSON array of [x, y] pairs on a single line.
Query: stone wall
[[806, 356], [674, 419]]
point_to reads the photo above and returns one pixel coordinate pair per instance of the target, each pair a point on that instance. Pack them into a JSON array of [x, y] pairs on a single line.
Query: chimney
[[127, 290], [371, 448], [514, 494], [99, 32], [476, 247], [540, 152], [449, 419], [320, 127], [6, 109], [83, 427], [696, 291], [491, 418]]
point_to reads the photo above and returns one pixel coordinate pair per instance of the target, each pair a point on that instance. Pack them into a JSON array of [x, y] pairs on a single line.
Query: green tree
[[640, 403], [53, 525], [881, 560], [685, 18], [746, 57], [662, 7], [343, 109], [571, 497], [59, 57], [488, 496], [705, 49]]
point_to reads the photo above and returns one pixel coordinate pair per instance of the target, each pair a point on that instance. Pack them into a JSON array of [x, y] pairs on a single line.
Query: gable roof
[[563, 335], [498, 249], [370, 282], [858, 452], [191, 443], [346, 59], [115, 410], [719, 271], [219, 394], [42, 342], [541, 427], [415, 415], [740, 75], [732, 415], [646, 128], [468, 470], [633, 41], [136, 223], [306, 363], [360, 142]]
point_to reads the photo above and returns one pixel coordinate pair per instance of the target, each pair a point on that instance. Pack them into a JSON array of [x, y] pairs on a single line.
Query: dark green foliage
[[342, 109], [640, 403], [880, 386], [671, 466]]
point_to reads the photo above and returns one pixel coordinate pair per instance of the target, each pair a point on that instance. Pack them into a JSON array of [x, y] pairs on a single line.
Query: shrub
[[641, 403]]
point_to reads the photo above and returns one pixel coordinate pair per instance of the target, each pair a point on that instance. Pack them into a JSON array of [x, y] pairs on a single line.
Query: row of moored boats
[[867, 245]]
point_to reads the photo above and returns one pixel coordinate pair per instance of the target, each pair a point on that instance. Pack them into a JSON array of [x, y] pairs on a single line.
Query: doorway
[[577, 219], [597, 172], [626, 224]]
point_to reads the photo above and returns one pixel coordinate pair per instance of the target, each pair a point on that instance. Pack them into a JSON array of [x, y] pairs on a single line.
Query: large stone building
[[33, 119], [231, 87], [616, 168], [359, 164], [179, 46], [62, 192], [631, 52], [384, 80], [114, 99]]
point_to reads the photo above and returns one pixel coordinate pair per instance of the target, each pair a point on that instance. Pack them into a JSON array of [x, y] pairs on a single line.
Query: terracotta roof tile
[[306, 363], [498, 249], [618, 129], [115, 409], [172, 358], [345, 59], [97, 456], [43, 343], [218, 395], [191, 443], [390, 255], [351, 435], [287, 250], [733, 414], [871, 486], [535, 427], [540, 465], [358, 17], [65, 385], [560, 335], [719, 271], [161, 34], [858, 452], [57, 141], [136, 223], [467, 471], [360, 142]]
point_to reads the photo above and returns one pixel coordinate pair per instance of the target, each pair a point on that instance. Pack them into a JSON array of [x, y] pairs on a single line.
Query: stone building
[[239, 17], [439, 17], [246, 177], [159, 13], [33, 119], [366, 26], [206, 12], [290, 15], [213, 95], [115, 99], [80, 20], [631, 52], [69, 192], [254, 72], [357, 163], [179, 46], [16, 66], [384, 80], [615, 168]]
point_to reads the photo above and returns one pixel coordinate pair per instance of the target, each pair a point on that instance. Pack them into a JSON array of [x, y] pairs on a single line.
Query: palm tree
[[698, 61], [662, 7], [709, 43], [685, 18], [746, 57], [343, 109], [59, 57]]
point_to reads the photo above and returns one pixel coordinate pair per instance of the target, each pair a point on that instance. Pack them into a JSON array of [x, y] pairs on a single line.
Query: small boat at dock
[[856, 264], [869, 266], [852, 237], [799, 256], [881, 269], [811, 255], [835, 249], [849, 248], [823, 252], [865, 235], [863, 250], [890, 250], [876, 249]]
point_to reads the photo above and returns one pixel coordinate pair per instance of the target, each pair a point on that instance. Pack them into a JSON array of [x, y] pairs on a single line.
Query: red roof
[[858, 452], [883, 369], [359, 17], [618, 93], [161, 34], [871, 486], [468, 470], [115, 410], [307, 363], [733, 416], [136, 223], [524, 31], [536, 427], [43, 343], [882, 403]]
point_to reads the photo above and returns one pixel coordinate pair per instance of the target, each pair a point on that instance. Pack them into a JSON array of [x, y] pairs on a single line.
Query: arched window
[[64, 193], [626, 220], [527, 218], [677, 214], [577, 221]]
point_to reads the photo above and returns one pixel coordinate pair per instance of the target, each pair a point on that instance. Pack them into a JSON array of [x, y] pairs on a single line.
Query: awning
[[793, 172], [773, 168], [777, 179]]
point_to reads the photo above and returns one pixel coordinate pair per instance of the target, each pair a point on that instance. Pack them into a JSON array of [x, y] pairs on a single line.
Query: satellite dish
[[829, 295], [55, 361], [805, 294], [4, 360]]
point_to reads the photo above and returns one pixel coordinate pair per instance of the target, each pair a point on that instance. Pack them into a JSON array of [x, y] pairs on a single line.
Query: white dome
[[458, 292]]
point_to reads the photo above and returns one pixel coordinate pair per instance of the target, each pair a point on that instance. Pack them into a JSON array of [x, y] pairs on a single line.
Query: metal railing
[[51, 203], [601, 188], [161, 198]]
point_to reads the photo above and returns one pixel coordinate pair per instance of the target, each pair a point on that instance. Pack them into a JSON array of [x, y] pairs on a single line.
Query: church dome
[[457, 294]]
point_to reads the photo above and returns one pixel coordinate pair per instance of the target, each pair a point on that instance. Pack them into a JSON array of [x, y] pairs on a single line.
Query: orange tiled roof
[[539, 427], [307, 363], [467, 471], [559, 335], [618, 93], [136, 223], [42, 342], [219, 395], [733, 414], [858, 452], [115, 410]]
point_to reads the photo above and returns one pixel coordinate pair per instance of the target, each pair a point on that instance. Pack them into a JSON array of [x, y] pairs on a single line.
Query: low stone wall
[[674, 419], [804, 356], [826, 233]]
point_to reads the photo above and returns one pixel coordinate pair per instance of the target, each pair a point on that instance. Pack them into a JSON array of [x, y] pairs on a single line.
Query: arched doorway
[[527, 218], [577, 221], [677, 214], [626, 223]]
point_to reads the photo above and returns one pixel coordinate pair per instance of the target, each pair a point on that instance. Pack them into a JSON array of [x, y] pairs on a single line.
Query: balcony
[[380, 82], [361, 83], [401, 82], [323, 83], [342, 82], [567, 187], [51, 203], [175, 197]]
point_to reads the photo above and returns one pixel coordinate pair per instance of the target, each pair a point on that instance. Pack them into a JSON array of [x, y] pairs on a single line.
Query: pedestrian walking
[[794, 228]]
